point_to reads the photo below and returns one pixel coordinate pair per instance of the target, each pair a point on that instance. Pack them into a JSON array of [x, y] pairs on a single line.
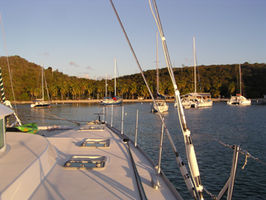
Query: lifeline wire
[[190, 151], [181, 164], [245, 153]]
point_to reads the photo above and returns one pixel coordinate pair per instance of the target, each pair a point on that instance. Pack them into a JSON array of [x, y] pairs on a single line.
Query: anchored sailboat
[[115, 100], [15, 124], [104, 163], [196, 99], [161, 105], [239, 99], [38, 103]]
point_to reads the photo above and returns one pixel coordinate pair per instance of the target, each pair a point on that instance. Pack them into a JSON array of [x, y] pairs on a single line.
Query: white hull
[[239, 101], [40, 104], [161, 107], [33, 168], [207, 103], [110, 101], [204, 104], [196, 100]]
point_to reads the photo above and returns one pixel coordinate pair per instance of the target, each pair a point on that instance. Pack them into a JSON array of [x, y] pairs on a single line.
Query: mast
[[106, 86], [240, 80], [42, 86], [182, 123], [157, 68], [46, 87], [115, 76], [195, 65]]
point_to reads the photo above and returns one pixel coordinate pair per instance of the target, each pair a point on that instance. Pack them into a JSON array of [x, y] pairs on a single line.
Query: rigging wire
[[243, 152], [54, 118], [61, 118], [181, 164], [190, 151], [8, 65], [48, 96], [210, 194]]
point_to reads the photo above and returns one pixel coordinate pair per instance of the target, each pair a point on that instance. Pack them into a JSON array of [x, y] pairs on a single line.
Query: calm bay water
[[244, 126]]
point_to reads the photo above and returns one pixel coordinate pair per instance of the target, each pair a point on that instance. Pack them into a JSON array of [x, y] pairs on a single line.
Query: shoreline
[[98, 101]]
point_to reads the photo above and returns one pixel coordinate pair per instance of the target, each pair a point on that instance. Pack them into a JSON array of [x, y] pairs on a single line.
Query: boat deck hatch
[[86, 162], [92, 128], [96, 143]]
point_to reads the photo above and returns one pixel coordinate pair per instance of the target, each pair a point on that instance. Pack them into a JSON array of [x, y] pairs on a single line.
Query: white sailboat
[[196, 99], [239, 99], [39, 103], [161, 105], [115, 100], [104, 163]]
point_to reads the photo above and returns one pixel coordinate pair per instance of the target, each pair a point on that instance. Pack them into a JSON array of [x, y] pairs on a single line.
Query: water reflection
[[231, 124]]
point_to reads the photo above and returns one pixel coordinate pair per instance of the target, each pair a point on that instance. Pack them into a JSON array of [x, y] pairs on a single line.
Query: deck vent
[[92, 128], [86, 162], [96, 143]]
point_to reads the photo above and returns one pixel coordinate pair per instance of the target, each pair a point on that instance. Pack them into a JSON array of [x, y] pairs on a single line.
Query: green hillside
[[219, 80]]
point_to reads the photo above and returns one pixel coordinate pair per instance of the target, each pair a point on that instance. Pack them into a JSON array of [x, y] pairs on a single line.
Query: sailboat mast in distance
[[42, 86], [115, 76], [157, 67], [240, 80], [195, 65], [106, 86]]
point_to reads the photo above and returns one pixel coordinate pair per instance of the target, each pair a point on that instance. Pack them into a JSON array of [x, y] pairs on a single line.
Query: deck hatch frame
[[92, 128], [86, 162], [96, 143]]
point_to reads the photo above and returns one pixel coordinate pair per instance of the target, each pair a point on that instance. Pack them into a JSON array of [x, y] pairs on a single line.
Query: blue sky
[[82, 37]]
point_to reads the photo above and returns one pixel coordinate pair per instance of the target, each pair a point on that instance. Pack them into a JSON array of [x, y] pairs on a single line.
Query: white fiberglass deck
[[115, 181], [25, 163]]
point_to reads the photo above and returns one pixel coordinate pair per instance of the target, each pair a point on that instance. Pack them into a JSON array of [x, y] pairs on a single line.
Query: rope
[[73, 121], [179, 161], [226, 145], [210, 194], [178, 158], [248, 155], [246, 161], [190, 153], [243, 152], [52, 118]]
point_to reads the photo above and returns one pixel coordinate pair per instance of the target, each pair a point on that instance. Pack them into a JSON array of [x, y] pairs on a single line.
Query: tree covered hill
[[219, 80]]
